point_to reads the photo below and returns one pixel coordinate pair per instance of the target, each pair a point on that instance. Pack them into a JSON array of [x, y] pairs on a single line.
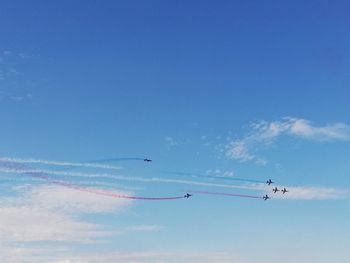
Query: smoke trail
[[89, 183], [116, 160], [56, 163], [87, 190], [102, 192], [214, 177], [224, 194], [136, 179], [100, 161]]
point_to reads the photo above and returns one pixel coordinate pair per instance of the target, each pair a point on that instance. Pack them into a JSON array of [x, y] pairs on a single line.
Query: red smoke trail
[[22, 168], [224, 194], [101, 192]]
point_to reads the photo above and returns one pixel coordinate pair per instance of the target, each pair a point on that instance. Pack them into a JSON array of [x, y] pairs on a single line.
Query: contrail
[[224, 194], [214, 177], [89, 190], [56, 163]]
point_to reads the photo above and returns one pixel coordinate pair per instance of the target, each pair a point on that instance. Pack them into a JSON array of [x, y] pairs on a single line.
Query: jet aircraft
[[269, 182], [275, 190], [147, 160], [187, 195], [284, 191], [266, 197]]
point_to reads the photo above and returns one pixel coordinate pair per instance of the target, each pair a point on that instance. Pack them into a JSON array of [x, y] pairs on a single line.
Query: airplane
[[275, 190], [266, 197], [269, 182], [187, 195], [284, 190], [147, 160]]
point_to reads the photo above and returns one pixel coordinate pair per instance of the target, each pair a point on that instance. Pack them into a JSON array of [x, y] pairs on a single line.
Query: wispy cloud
[[27, 223], [49, 213], [7, 52], [313, 193], [264, 133], [34, 255], [19, 254], [221, 173], [16, 82], [170, 141]]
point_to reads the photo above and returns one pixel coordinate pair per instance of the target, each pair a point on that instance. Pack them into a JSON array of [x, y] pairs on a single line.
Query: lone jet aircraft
[[266, 197], [275, 190], [284, 191], [147, 160], [187, 195], [269, 182]]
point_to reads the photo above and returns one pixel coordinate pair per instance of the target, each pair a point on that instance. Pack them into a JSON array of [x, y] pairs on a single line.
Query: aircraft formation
[[274, 190]]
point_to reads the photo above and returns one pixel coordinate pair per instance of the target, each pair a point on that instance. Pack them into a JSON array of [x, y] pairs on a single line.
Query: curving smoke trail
[[25, 170], [224, 194]]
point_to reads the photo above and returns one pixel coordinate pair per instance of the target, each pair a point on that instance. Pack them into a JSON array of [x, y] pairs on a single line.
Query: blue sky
[[206, 89]]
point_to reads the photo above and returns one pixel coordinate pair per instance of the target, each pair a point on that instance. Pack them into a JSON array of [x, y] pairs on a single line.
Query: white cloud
[[11, 254], [51, 213], [71, 200], [312, 193], [28, 223], [239, 150], [33, 255], [264, 133], [220, 173], [305, 192]]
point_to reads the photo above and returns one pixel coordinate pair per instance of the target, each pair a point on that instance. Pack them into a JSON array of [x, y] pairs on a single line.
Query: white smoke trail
[[127, 178], [57, 163]]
